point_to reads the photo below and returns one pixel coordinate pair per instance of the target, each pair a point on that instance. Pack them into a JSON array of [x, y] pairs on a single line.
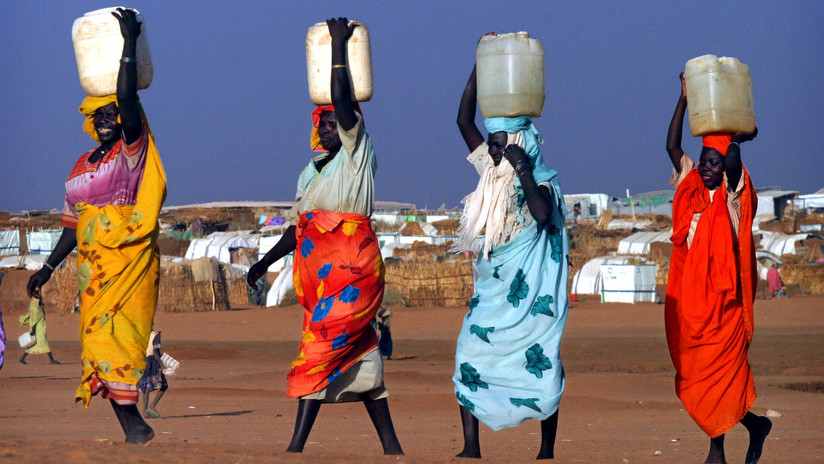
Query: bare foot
[[54, 361], [757, 437]]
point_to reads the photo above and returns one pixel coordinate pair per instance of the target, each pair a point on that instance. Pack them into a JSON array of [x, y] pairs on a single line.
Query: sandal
[[151, 414]]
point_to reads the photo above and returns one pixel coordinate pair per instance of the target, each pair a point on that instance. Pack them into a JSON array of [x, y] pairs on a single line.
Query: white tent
[[9, 242], [30, 262], [627, 283], [639, 242], [587, 281], [778, 243], [813, 200], [218, 245], [42, 242], [282, 284]]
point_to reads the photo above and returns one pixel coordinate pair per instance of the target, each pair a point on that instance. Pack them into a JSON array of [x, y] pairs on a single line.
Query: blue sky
[[230, 110]]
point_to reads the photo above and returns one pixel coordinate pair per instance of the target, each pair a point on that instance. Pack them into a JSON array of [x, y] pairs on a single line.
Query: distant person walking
[[113, 198], [36, 320], [153, 377], [711, 286], [338, 270], [507, 363]]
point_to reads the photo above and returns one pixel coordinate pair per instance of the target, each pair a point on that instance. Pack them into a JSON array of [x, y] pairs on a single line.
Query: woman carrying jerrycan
[[711, 285], [507, 363]]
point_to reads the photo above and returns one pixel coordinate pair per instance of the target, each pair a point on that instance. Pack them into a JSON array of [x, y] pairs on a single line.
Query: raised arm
[[538, 199], [341, 31], [732, 160], [285, 245], [466, 114], [676, 127], [130, 119]]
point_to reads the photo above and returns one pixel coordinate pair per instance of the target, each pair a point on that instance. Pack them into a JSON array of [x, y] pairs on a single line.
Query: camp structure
[[657, 202], [811, 203], [220, 245], [628, 283], [772, 201], [592, 205], [9, 242], [639, 242], [42, 242]]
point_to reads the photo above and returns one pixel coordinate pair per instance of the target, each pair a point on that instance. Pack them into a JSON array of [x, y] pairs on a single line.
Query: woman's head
[[497, 142], [711, 167], [106, 123], [328, 131], [711, 164]]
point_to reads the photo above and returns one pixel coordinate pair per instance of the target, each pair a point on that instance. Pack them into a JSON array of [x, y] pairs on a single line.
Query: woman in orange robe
[[711, 286]]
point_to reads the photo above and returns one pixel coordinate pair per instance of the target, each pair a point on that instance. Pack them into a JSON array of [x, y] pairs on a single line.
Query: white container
[[319, 63], [510, 75], [98, 47], [719, 95]]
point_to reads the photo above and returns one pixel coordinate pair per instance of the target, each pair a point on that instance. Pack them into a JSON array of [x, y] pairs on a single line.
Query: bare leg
[[157, 397], [379, 413], [716, 454], [472, 444], [136, 429], [307, 413], [23, 358], [52, 360], [549, 427], [759, 427], [145, 401]]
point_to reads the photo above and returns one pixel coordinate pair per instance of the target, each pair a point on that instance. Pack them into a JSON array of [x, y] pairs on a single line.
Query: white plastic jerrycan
[[719, 95], [510, 75], [319, 63], [98, 47]]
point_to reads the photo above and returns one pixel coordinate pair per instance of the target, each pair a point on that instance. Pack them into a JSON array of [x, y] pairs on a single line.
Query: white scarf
[[487, 205]]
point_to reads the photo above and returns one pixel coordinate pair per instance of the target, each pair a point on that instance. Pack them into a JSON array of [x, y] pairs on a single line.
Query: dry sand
[[227, 403]]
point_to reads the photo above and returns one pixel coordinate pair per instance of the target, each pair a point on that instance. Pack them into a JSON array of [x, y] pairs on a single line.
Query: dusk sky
[[230, 109]]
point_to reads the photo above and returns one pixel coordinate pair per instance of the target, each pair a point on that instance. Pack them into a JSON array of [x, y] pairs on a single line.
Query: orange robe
[[709, 305]]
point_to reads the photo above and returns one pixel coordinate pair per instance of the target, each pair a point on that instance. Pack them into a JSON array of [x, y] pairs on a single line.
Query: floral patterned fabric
[[507, 363], [117, 275], [339, 281]]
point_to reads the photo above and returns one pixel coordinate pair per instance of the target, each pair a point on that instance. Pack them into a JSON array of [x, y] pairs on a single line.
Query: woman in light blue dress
[[507, 363]]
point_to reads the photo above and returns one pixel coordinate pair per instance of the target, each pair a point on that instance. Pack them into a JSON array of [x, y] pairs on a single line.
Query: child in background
[[153, 377], [36, 320]]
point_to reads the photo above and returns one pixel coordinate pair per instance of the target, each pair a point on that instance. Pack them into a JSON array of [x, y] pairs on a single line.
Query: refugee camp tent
[[639, 242], [30, 262], [657, 202], [627, 283], [780, 244], [772, 201], [592, 205], [587, 281], [280, 287], [42, 242], [9, 242], [811, 202], [219, 244]]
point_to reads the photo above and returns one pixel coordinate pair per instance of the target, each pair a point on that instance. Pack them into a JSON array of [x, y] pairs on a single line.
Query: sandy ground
[[228, 405]]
